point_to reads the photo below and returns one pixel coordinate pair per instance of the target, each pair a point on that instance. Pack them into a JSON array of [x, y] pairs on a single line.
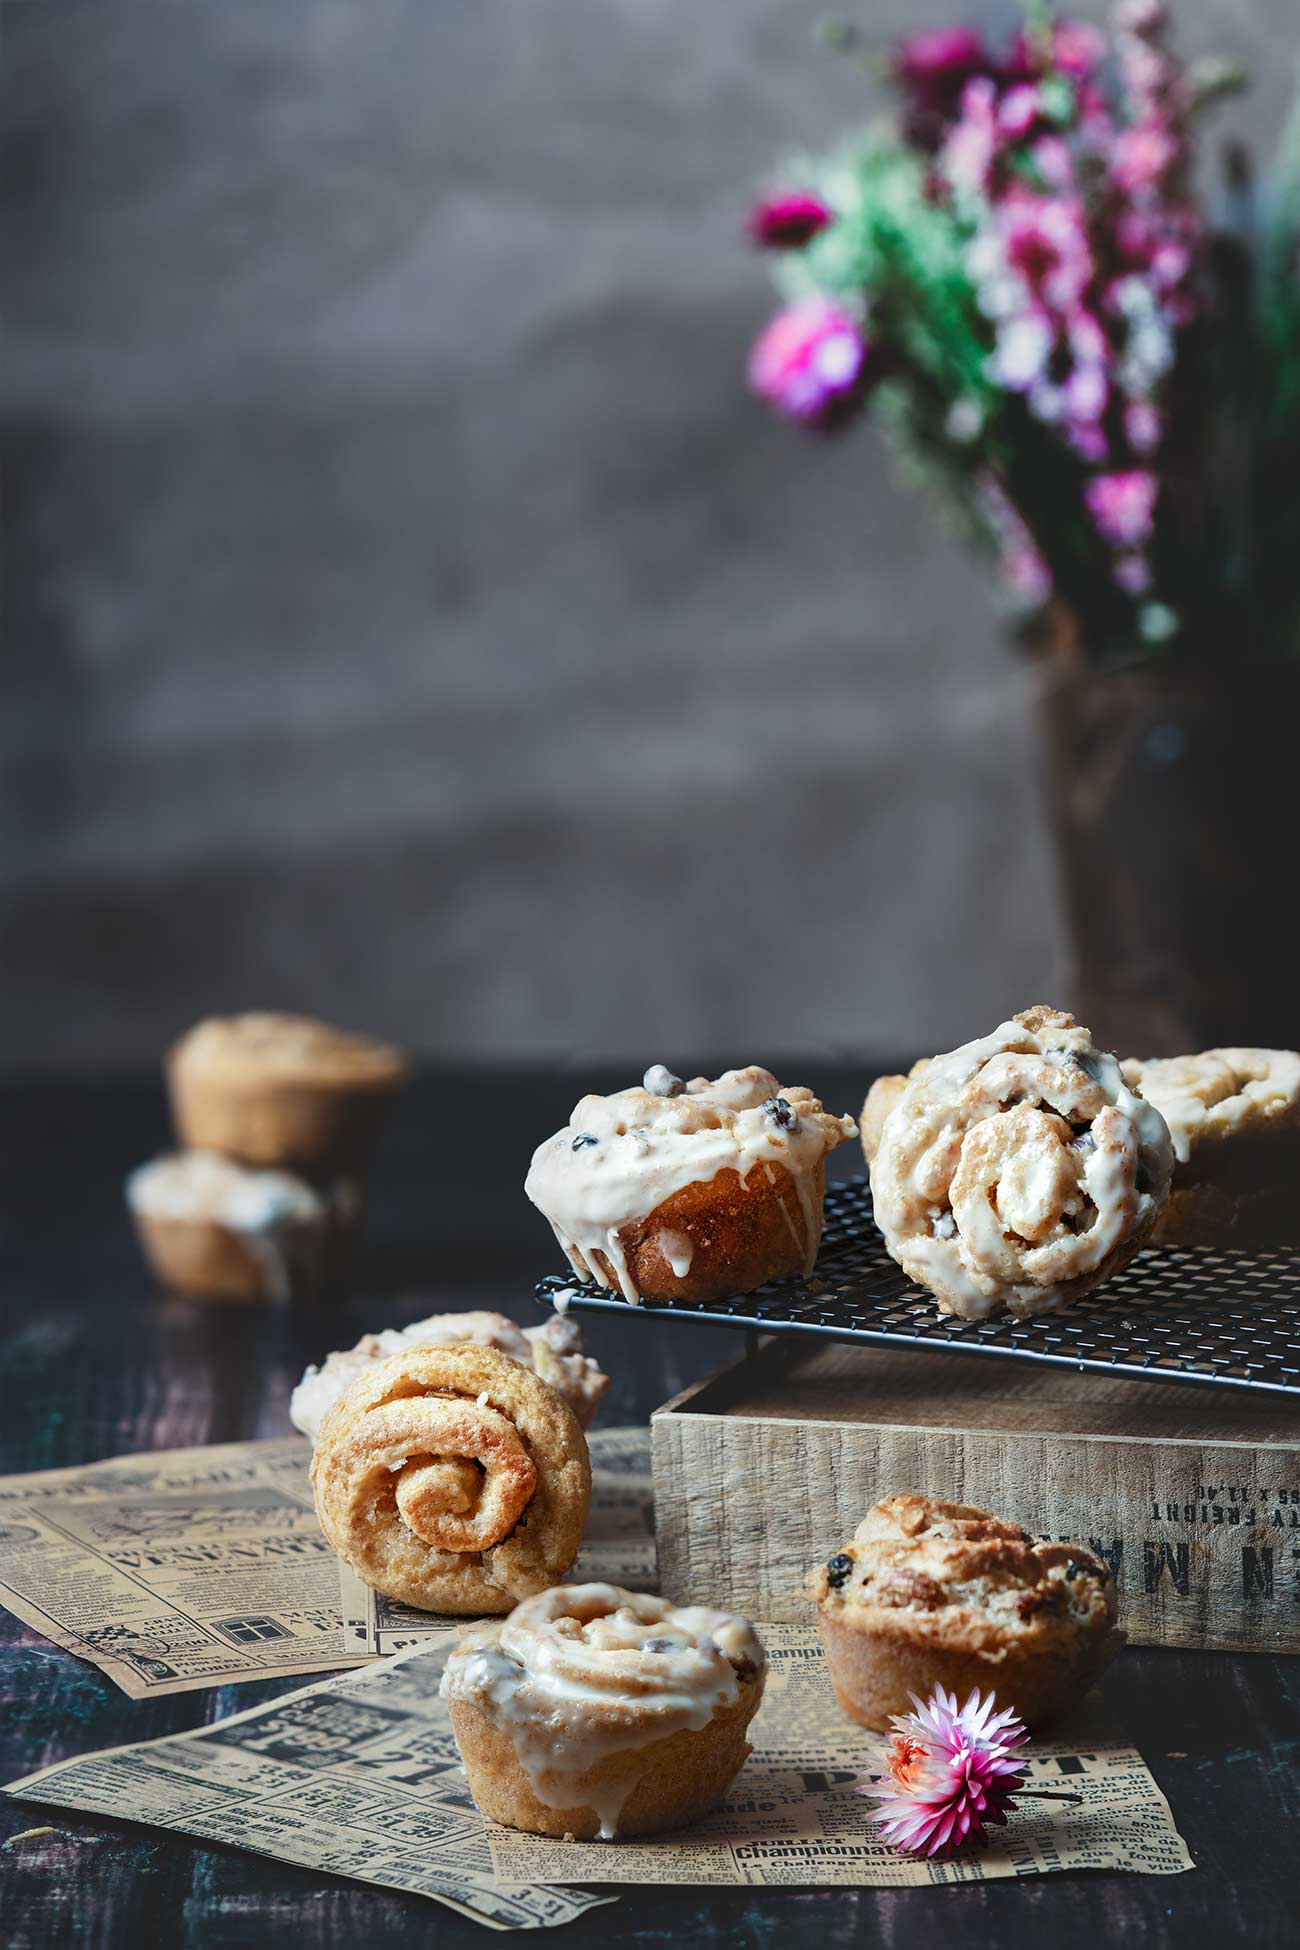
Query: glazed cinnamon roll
[[1234, 1117], [1020, 1170], [689, 1191], [553, 1350], [594, 1712], [453, 1479]]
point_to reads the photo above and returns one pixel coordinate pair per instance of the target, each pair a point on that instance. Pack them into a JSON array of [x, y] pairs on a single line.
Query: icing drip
[[678, 1250], [584, 1673], [649, 1146]]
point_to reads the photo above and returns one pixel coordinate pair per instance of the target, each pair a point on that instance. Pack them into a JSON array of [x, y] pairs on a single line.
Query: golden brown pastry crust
[[679, 1779], [273, 1089], [1019, 1170], [453, 1479], [741, 1233], [880, 1100], [215, 1230], [1234, 1115], [595, 1710], [945, 1593]]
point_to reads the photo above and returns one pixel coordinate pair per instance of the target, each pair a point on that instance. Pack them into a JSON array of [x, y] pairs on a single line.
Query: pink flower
[[787, 219], [1053, 162], [1143, 157], [1077, 49], [940, 57], [1045, 242], [973, 139], [931, 68], [1019, 110], [949, 1773], [1133, 574], [1143, 17], [809, 362], [1142, 427], [1077, 46], [1123, 506]]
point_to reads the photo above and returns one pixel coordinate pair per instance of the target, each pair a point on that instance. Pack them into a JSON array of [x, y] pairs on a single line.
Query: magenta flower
[[810, 362], [950, 1772], [1143, 157], [1123, 506], [787, 220], [932, 68], [1142, 426], [1046, 243], [1142, 17]]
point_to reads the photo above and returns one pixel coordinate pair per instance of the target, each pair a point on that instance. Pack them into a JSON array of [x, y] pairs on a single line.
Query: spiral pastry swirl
[[582, 1693], [1019, 1170], [453, 1479]]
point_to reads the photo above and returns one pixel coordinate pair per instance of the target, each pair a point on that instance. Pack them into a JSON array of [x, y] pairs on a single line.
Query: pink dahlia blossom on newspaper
[[950, 1772], [787, 220], [809, 362]]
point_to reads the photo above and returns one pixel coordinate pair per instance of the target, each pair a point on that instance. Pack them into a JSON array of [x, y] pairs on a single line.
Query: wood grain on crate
[[1191, 1495]]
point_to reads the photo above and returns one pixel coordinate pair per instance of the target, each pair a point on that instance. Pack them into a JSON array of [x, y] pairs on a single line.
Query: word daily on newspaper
[[204, 1567], [358, 1775]]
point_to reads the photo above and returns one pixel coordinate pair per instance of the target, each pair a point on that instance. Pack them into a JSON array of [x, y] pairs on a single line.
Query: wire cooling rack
[[1193, 1314]]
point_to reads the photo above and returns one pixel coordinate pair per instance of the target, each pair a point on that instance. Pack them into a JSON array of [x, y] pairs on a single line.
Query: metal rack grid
[[1193, 1314]]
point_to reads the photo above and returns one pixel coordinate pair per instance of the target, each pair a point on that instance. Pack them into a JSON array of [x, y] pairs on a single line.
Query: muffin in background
[[281, 1090]]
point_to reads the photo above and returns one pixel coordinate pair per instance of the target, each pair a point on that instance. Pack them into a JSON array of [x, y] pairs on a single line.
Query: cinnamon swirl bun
[[453, 1479], [594, 1712], [1020, 1170]]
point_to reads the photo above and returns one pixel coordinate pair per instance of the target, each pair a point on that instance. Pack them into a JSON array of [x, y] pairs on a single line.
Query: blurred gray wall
[[409, 617]]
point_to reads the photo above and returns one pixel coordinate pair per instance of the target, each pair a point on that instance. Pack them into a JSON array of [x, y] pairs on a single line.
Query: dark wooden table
[[95, 1364]]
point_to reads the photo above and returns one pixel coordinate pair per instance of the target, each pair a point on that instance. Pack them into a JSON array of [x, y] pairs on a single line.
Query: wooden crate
[[1190, 1493]]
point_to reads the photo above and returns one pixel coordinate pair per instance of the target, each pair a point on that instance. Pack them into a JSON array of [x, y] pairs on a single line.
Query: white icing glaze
[[274, 1214], [1045, 1196], [649, 1146], [586, 1672], [679, 1250], [558, 1359], [1220, 1092]]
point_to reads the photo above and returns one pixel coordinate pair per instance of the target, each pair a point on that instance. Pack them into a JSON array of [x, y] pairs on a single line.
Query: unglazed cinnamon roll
[[1019, 1170], [594, 1712], [689, 1191], [453, 1479], [1234, 1117], [553, 1350]]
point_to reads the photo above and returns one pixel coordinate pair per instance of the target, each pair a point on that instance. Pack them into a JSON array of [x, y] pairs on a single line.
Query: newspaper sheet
[[177, 1569], [354, 1776], [794, 1817], [618, 1548], [358, 1776], [204, 1567]]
